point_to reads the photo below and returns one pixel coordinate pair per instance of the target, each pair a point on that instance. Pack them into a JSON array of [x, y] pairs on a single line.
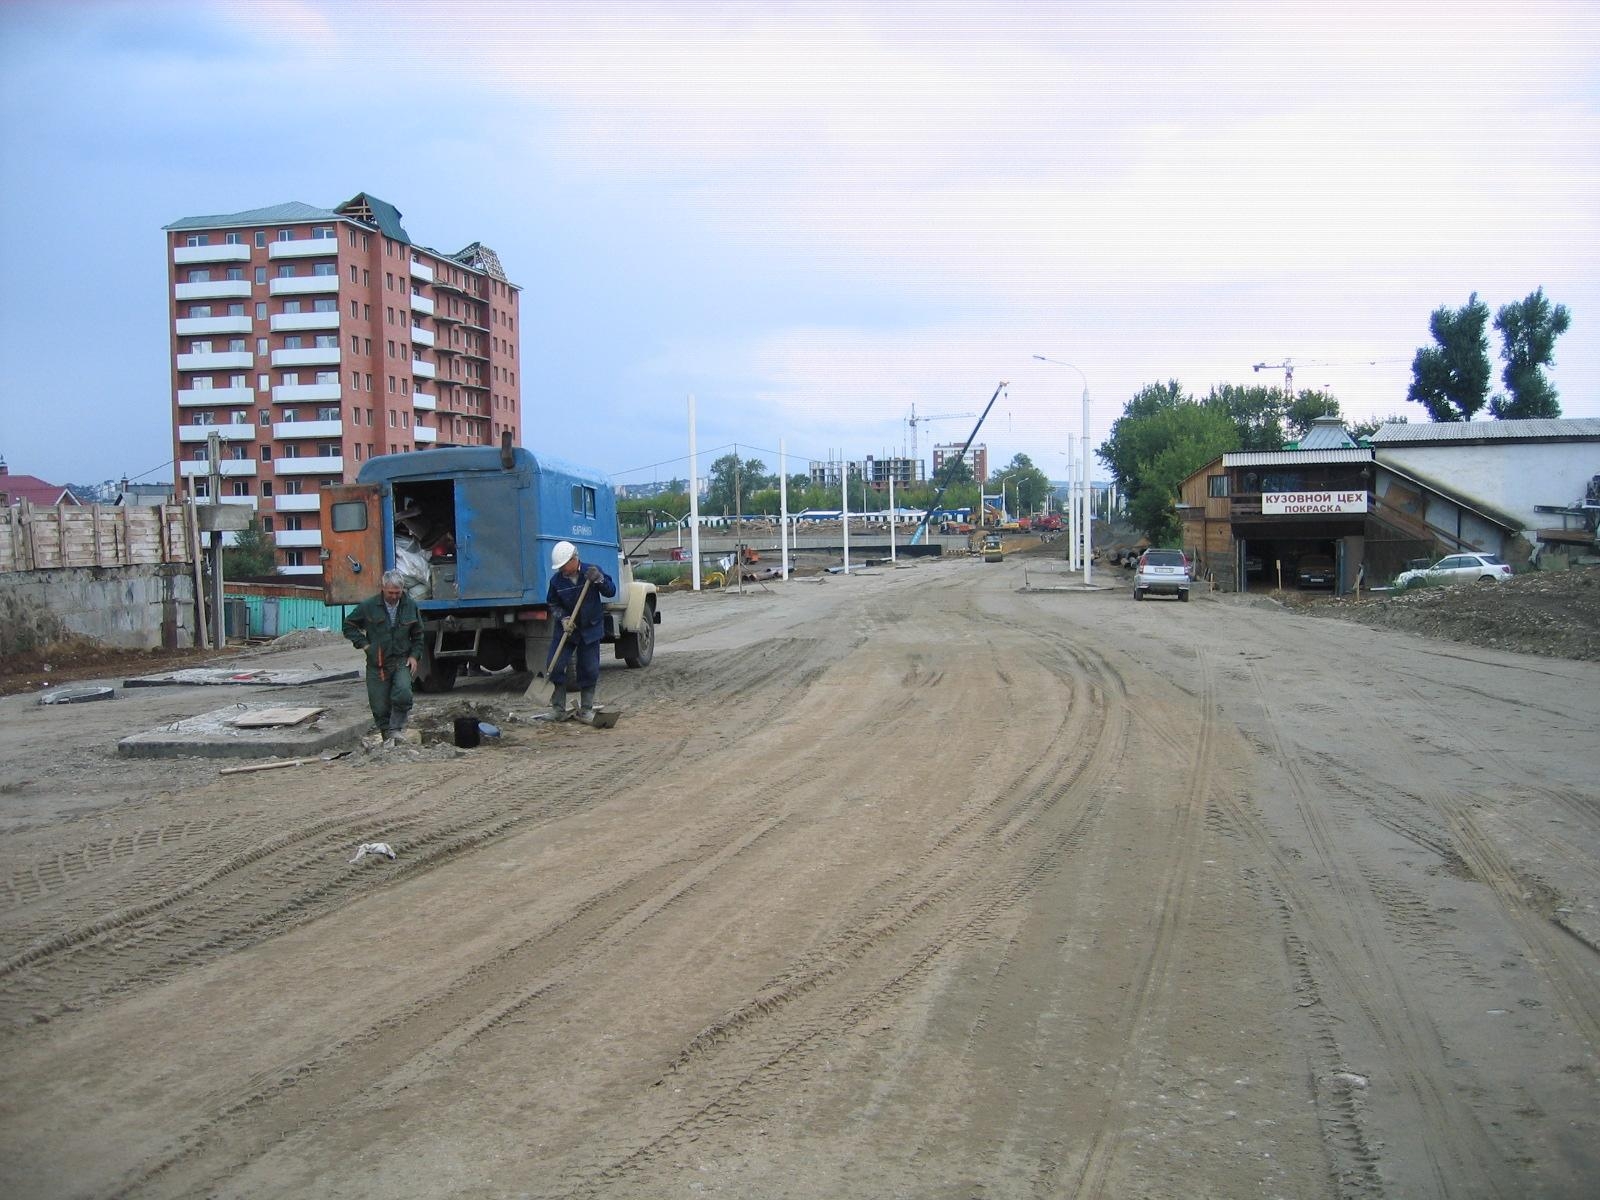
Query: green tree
[[1451, 378], [1528, 330], [252, 553], [1365, 429], [1257, 413], [751, 475], [954, 471], [1023, 480], [1161, 439], [1306, 408]]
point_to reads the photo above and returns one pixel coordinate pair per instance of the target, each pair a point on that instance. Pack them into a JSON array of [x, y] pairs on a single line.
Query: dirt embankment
[[1554, 613]]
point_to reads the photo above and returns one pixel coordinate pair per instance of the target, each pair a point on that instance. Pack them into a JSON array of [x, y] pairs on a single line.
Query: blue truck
[[471, 529]]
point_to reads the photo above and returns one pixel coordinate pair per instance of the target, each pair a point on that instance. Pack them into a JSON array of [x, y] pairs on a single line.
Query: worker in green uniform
[[389, 628]]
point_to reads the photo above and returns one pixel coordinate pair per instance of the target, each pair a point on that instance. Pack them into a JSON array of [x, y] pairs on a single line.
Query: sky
[[814, 216]]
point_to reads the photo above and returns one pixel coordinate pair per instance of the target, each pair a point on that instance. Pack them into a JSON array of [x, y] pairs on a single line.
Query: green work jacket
[[368, 628]]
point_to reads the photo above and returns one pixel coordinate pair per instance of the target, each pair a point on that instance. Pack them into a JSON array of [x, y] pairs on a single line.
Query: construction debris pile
[[1552, 613]]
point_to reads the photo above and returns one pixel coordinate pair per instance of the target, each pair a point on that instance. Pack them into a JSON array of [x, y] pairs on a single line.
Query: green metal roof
[[291, 211], [368, 208]]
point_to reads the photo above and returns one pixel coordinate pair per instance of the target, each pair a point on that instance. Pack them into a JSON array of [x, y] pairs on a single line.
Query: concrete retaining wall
[[125, 608]]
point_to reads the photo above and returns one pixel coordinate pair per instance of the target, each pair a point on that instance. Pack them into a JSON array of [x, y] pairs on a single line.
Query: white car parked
[[1459, 568]]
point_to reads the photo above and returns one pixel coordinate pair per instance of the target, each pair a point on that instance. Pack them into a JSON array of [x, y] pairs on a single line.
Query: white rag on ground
[[367, 848]]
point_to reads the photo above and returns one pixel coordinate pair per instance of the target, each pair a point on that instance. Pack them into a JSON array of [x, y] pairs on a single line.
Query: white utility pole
[[891, 516], [694, 504], [783, 508], [1072, 502], [844, 508], [1088, 488]]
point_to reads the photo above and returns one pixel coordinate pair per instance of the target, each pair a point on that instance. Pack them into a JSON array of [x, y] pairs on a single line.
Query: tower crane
[[913, 421], [1287, 367]]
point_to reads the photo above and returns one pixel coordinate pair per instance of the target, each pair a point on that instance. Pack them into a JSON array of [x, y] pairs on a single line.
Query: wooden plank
[[275, 718]]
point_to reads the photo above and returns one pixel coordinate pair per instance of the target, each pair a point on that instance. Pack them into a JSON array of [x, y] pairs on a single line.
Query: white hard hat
[[560, 553]]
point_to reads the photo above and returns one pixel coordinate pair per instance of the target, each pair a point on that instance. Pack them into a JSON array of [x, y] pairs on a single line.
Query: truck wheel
[[441, 676], [637, 649]]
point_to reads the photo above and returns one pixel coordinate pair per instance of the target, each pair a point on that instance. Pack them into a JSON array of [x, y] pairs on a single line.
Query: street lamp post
[[1088, 485]]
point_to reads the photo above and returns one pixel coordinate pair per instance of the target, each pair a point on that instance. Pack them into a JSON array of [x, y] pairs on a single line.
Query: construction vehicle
[[471, 530], [1047, 523]]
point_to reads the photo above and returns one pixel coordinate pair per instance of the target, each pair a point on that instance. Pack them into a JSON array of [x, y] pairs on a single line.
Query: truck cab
[[471, 529]]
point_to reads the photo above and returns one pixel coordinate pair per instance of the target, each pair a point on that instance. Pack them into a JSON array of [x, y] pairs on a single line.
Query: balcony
[[325, 247], [215, 289], [317, 356], [216, 397], [422, 435], [298, 537], [421, 369], [241, 502], [230, 433], [421, 336], [421, 271], [311, 502], [421, 304], [312, 570], [285, 430], [201, 326], [231, 468], [228, 360], [295, 322], [329, 465], [424, 402], [300, 393], [301, 285], [184, 256]]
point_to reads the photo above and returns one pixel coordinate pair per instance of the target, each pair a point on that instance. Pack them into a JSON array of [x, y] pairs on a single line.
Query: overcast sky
[[813, 216]]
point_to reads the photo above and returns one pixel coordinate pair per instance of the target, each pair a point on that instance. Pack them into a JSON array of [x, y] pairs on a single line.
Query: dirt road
[[906, 884]]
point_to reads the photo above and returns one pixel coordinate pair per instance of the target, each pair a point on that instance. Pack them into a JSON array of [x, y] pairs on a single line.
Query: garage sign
[[1281, 504]]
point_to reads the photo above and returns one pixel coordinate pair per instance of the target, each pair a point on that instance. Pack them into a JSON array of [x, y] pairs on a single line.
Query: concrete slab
[[190, 676], [214, 735]]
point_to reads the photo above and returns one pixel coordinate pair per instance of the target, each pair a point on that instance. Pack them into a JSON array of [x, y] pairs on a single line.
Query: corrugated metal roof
[[1427, 433], [1294, 458], [285, 213]]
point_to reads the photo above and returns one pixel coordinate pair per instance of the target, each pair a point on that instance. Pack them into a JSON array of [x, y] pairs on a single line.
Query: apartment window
[[328, 414], [388, 315], [405, 386], [394, 419], [327, 341], [327, 377], [261, 238], [352, 272], [322, 231], [236, 310], [239, 416], [286, 271], [199, 275], [355, 381], [196, 239], [292, 524], [355, 310], [366, 311], [234, 274], [388, 281], [352, 234], [261, 310], [199, 347], [241, 487], [286, 235], [291, 341], [237, 346], [264, 416], [261, 274], [263, 383], [291, 379], [366, 345], [358, 451], [326, 269], [266, 490], [238, 382], [328, 450], [391, 352], [405, 420], [366, 278], [291, 451], [266, 522], [232, 239], [199, 310], [291, 487], [391, 392], [369, 388], [325, 305], [293, 558], [291, 307], [207, 417], [355, 344]]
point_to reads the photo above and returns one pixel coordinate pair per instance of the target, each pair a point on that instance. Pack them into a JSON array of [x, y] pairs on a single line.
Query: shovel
[[561, 645]]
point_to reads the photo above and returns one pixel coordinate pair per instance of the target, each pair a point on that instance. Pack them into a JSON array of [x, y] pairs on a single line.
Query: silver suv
[[1164, 572]]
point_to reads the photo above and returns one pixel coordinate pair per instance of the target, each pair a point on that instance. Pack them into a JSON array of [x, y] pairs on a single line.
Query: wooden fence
[[92, 535]]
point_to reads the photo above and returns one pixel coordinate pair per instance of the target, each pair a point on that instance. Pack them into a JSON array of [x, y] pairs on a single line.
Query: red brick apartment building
[[312, 339]]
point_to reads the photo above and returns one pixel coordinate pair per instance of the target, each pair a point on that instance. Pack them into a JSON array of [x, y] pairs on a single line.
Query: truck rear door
[[352, 542]]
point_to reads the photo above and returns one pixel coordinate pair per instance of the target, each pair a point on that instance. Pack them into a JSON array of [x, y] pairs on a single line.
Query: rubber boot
[[586, 706], [558, 703]]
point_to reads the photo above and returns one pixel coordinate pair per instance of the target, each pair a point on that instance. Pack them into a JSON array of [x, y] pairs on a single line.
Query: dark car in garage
[[1315, 571]]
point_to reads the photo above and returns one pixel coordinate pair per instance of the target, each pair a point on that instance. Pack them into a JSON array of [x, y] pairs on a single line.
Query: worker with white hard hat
[[574, 600]]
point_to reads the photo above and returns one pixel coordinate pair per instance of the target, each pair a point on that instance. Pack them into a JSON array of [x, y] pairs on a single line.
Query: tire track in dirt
[[1351, 936]]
